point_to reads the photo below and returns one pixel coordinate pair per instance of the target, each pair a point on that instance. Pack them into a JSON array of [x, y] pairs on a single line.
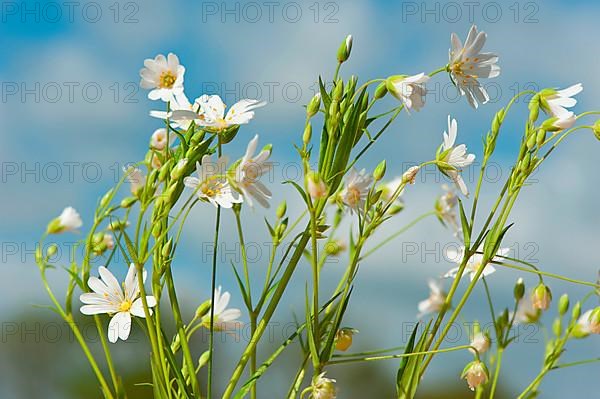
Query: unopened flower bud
[[334, 248], [576, 312], [396, 208], [179, 169], [519, 290], [541, 297], [69, 220], [343, 338], [281, 210], [563, 304], [541, 137], [313, 105], [307, 135], [202, 310], [596, 129], [410, 175], [51, 251], [379, 171], [594, 321], [475, 373], [166, 249], [345, 49], [323, 388], [380, 91], [106, 198], [127, 202]]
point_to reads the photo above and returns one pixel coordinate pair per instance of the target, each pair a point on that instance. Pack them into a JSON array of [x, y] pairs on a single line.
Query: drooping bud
[[69, 220], [127, 202], [323, 388], [481, 342], [380, 91], [335, 247], [317, 188], [106, 198], [345, 49], [475, 373], [541, 297], [343, 338]]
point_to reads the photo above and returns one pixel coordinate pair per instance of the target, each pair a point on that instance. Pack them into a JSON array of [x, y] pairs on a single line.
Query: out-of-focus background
[[73, 115]]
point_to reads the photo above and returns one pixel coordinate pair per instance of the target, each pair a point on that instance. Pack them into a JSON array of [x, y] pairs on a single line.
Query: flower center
[[211, 187], [125, 306], [353, 196], [167, 79]]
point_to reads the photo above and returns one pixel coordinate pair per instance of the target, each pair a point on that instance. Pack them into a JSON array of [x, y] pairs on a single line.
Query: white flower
[[178, 103], [136, 178], [445, 207], [211, 113], [212, 183], [481, 342], [474, 262], [158, 141], [468, 64], [410, 174], [164, 76], [69, 220], [409, 89], [224, 319], [561, 122], [589, 323], [476, 374], [556, 102], [435, 302], [323, 388], [109, 297], [456, 157], [248, 172], [356, 190]]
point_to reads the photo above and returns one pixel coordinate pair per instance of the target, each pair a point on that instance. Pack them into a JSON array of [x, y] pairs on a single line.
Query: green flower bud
[[307, 135], [281, 210], [557, 327], [541, 137], [563, 304], [345, 49], [127, 202], [166, 249], [51, 251], [106, 198], [534, 108], [519, 290], [396, 208], [379, 171], [541, 297], [164, 170], [380, 91], [596, 129], [576, 312], [202, 310], [313, 105], [531, 142], [179, 169], [203, 360], [338, 91]]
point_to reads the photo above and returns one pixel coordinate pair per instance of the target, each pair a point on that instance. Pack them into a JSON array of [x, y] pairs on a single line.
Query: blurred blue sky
[[72, 115]]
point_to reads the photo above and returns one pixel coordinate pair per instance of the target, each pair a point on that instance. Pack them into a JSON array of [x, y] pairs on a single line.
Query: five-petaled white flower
[[211, 112], [409, 89], [212, 183], [468, 64], [224, 319], [164, 76], [120, 303], [248, 172], [356, 190], [436, 300], [178, 103], [556, 102], [456, 255], [457, 157], [69, 220]]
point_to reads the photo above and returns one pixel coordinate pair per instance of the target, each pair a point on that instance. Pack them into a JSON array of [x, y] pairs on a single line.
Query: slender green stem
[[387, 357], [580, 362], [496, 372], [547, 274]]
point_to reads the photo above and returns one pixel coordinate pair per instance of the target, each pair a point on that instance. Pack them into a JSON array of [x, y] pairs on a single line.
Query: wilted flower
[[212, 184], [468, 64], [409, 89], [121, 303], [323, 388], [356, 190], [541, 297], [164, 76], [436, 300], [475, 373], [211, 113], [248, 172], [317, 189], [410, 175], [69, 220], [456, 157], [223, 319], [474, 262], [526, 313], [136, 179], [481, 342]]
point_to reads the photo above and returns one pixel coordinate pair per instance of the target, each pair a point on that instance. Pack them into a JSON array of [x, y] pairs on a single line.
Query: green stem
[[496, 372], [387, 357]]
